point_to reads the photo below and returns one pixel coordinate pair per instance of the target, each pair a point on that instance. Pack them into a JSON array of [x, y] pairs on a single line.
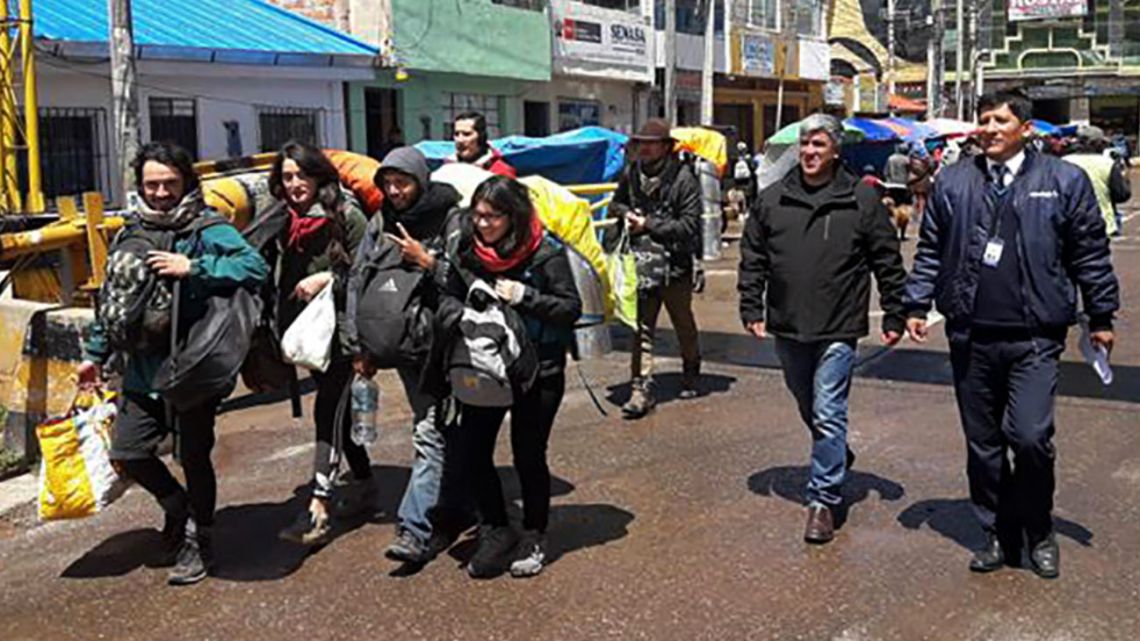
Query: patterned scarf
[[491, 260], [185, 211]]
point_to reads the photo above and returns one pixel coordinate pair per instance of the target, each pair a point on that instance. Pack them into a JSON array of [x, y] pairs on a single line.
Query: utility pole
[[707, 68], [959, 55], [890, 51], [935, 61], [671, 62], [973, 55], [124, 92]]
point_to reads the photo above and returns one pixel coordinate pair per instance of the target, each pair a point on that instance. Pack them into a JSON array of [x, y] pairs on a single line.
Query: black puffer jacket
[[674, 213], [812, 255]]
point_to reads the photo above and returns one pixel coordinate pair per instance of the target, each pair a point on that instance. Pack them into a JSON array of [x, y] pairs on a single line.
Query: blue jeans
[[422, 492], [819, 377]]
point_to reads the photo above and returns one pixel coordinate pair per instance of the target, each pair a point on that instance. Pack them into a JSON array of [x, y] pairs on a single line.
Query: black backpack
[[264, 369], [492, 360], [134, 303], [206, 357], [394, 315]]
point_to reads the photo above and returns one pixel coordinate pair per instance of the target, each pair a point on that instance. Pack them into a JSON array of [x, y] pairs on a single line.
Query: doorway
[[381, 122]]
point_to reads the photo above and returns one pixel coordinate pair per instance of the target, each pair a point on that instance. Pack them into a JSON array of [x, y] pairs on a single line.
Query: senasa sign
[[1046, 9], [602, 43]]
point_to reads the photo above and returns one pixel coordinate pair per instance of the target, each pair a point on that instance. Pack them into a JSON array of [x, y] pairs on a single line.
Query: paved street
[[684, 525]]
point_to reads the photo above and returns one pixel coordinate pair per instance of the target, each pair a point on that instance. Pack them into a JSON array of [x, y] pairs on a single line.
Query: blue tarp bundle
[[586, 155]]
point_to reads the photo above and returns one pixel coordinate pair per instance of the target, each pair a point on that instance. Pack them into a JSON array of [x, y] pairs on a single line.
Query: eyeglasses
[[487, 216]]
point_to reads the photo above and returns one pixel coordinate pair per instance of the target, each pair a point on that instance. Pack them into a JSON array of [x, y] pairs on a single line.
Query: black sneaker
[[493, 553], [195, 557], [531, 557], [406, 548], [173, 532]]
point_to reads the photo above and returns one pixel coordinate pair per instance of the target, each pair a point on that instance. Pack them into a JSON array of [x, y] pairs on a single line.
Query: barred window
[[175, 120], [457, 103], [279, 125], [73, 152]]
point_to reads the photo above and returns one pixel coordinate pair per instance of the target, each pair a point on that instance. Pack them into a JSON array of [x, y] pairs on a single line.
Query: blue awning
[[240, 31]]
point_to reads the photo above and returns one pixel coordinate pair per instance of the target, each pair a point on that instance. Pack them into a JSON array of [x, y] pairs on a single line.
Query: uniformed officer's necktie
[[999, 179]]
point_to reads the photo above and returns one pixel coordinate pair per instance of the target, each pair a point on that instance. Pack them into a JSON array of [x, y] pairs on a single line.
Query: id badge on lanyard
[[992, 255]]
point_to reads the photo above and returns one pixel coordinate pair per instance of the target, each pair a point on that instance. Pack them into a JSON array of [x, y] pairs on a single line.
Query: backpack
[[492, 360], [265, 369], [393, 315], [134, 303]]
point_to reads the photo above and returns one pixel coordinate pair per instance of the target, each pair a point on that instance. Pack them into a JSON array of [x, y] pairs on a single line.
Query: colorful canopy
[[873, 130], [951, 127], [909, 130], [790, 135]]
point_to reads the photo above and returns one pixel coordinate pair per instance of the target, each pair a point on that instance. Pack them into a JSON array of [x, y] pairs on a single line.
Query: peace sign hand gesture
[[411, 249]]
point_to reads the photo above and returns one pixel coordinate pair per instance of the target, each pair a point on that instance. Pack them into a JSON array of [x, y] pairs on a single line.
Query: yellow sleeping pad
[[706, 143]]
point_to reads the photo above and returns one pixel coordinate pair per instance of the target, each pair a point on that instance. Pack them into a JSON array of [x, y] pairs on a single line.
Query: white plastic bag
[[308, 341]]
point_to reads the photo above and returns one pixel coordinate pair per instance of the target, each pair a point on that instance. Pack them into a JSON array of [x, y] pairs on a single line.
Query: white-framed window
[[763, 13], [574, 113], [809, 18], [278, 125], [457, 103]]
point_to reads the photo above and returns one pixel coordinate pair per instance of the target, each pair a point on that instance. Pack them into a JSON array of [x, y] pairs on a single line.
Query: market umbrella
[[872, 130], [1044, 128], [908, 130], [790, 135], [951, 127]]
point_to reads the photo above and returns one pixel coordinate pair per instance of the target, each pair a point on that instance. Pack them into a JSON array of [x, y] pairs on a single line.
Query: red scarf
[[302, 228], [496, 264]]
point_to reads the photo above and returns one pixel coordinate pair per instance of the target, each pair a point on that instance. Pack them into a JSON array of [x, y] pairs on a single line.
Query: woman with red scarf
[[502, 241], [315, 248]]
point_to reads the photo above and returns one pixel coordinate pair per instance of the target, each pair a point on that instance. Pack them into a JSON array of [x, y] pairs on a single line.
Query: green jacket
[[221, 261]]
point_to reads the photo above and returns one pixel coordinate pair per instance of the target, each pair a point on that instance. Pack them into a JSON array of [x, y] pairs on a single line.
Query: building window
[[73, 152], [279, 125], [573, 114], [632, 6], [809, 18], [762, 13], [175, 120], [457, 103], [531, 5]]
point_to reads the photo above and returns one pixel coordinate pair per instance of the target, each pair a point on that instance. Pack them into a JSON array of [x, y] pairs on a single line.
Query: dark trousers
[[1005, 383], [330, 386], [532, 417], [141, 426]]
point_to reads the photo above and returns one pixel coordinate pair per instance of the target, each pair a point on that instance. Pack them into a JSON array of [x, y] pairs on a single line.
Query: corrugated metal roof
[[216, 25]]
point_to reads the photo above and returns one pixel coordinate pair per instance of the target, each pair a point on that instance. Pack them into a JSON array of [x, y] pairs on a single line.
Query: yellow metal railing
[[19, 136]]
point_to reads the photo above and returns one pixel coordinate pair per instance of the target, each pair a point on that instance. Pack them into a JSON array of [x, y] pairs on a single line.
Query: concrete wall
[[621, 109], [221, 93]]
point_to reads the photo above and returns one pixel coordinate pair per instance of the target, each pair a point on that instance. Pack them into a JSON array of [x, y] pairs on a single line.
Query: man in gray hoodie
[[412, 219]]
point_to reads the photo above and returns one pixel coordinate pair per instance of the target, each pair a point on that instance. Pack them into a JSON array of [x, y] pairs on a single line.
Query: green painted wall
[[472, 37]]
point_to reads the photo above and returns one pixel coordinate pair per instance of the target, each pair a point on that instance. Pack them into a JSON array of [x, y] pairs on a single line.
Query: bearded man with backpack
[[392, 297], [194, 255]]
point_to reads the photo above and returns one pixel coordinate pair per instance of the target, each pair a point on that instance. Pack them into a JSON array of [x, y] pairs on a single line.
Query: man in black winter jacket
[[659, 201], [1008, 240], [810, 246]]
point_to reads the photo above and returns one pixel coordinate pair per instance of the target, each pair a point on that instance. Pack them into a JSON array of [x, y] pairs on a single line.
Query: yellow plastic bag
[[77, 478], [622, 268]]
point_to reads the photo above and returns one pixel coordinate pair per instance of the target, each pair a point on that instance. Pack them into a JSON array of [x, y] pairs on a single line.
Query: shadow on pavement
[[933, 367], [788, 482], [667, 387], [954, 519], [120, 554]]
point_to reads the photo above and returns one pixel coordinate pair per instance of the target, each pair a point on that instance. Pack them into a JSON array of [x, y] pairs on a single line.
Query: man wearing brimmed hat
[[658, 200]]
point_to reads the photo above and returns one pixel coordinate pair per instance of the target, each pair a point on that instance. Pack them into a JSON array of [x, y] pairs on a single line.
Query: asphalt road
[[685, 525]]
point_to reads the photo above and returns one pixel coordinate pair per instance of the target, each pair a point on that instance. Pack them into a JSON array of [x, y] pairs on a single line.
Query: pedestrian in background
[[809, 249], [314, 250], [658, 202], [473, 147], [1010, 239]]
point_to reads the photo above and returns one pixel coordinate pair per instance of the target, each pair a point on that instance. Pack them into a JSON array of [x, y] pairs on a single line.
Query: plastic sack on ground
[[308, 341], [77, 478], [706, 143]]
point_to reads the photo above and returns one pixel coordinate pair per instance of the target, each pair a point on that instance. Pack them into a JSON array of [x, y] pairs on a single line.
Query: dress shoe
[[989, 558], [1045, 559], [820, 525]]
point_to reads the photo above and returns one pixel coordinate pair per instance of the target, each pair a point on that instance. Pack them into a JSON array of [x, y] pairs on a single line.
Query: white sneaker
[[533, 555]]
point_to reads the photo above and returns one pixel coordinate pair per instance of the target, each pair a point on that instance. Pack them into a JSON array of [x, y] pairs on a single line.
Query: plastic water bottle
[[365, 402]]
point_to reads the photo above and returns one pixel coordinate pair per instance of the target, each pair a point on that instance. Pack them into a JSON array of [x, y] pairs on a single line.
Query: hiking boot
[[195, 557], [308, 529], [406, 548], [176, 513], [493, 553], [355, 498], [690, 380], [531, 557], [641, 402]]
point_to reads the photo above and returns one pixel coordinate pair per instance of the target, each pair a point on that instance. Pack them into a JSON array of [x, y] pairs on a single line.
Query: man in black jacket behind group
[[658, 199], [1008, 241], [811, 243]]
